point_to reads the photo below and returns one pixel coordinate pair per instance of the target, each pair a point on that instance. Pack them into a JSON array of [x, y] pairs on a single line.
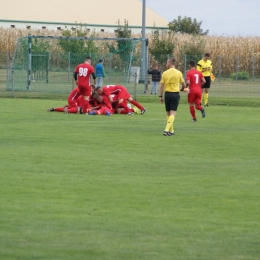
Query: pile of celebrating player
[[107, 100]]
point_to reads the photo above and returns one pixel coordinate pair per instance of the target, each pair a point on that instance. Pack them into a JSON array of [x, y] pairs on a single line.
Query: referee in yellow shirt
[[205, 66], [170, 86]]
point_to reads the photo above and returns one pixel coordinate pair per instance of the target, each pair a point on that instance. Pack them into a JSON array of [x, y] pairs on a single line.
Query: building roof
[[106, 12]]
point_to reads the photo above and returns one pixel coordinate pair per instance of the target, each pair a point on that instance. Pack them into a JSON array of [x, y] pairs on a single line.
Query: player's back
[[111, 89], [195, 78], [84, 70], [74, 94]]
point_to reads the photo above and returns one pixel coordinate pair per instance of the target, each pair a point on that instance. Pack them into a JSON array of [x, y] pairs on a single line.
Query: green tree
[[193, 48], [83, 47], [187, 25], [161, 45], [123, 47], [78, 49]]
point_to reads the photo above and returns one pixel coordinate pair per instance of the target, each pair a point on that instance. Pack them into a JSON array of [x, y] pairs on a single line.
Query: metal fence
[[224, 68], [234, 76]]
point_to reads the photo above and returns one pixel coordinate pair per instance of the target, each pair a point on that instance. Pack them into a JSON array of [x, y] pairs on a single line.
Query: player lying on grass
[[194, 82], [75, 101], [122, 93]]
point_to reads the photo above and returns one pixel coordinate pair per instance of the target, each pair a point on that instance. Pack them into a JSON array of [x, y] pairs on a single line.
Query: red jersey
[[113, 89], [195, 78], [84, 71], [106, 102], [73, 96]]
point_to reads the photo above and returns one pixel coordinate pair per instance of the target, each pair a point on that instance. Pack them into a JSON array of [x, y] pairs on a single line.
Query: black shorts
[[207, 84], [171, 100]]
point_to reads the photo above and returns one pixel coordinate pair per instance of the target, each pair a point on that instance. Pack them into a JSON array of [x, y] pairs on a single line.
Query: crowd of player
[[107, 100]]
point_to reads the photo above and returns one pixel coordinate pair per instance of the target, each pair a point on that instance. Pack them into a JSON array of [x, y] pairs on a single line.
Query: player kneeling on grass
[[194, 82], [72, 106], [122, 93], [74, 102]]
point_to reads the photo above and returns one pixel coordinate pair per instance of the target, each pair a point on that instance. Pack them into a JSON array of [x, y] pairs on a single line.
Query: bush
[[241, 75]]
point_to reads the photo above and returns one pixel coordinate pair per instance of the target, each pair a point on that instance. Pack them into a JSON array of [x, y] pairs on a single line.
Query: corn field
[[226, 50]]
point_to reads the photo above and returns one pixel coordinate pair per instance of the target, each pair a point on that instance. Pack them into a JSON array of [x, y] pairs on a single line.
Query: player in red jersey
[[82, 77], [116, 107], [72, 106], [194, 81], [103, 106], [73, 102], [122, 93]]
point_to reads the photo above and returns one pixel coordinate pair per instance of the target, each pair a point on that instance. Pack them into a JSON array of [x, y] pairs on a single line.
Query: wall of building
[[99, 28]]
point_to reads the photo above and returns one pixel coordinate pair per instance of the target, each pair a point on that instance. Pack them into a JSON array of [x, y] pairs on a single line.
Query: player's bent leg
[[123, 104], [135, 103]]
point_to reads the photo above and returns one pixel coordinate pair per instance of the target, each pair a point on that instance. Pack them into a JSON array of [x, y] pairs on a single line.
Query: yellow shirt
[[172, 79], [205, 64]]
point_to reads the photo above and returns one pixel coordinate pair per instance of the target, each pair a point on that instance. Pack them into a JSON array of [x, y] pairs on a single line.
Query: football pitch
[[99, 187]]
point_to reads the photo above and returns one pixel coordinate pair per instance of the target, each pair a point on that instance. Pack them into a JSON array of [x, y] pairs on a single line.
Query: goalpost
[[47, 63]]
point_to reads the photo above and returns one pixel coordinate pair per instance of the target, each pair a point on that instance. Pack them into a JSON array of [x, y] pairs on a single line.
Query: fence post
[[72, 83], [253, 68], [12, 83], [135, 78], [236, 66], [146, 65], [47, 66], [68, 66], [124, 75], [29, 62], [7, 68], [185, 65], [130, 63], [219, 67], [110, 66]]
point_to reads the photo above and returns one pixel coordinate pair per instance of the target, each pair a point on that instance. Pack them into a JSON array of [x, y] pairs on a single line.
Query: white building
[[101, 15]]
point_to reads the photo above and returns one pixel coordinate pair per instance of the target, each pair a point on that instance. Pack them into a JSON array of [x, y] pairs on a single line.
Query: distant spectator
[[156, 77], [100, 73]]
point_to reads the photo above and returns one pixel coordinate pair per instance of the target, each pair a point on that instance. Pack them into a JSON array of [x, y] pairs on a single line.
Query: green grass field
[[98, 187]]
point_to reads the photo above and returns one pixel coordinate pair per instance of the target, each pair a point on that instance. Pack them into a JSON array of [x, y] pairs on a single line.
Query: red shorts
[[194, 98], [117, 105], [85, 90], [123, 94], [72, 104]]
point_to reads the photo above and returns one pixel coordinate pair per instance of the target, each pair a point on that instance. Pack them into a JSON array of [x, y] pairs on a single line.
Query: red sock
[[137, 104], [80, 101], [126, 111], [59, 109], [198, 107], [86, 106], [192, 111], [73, 110]]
